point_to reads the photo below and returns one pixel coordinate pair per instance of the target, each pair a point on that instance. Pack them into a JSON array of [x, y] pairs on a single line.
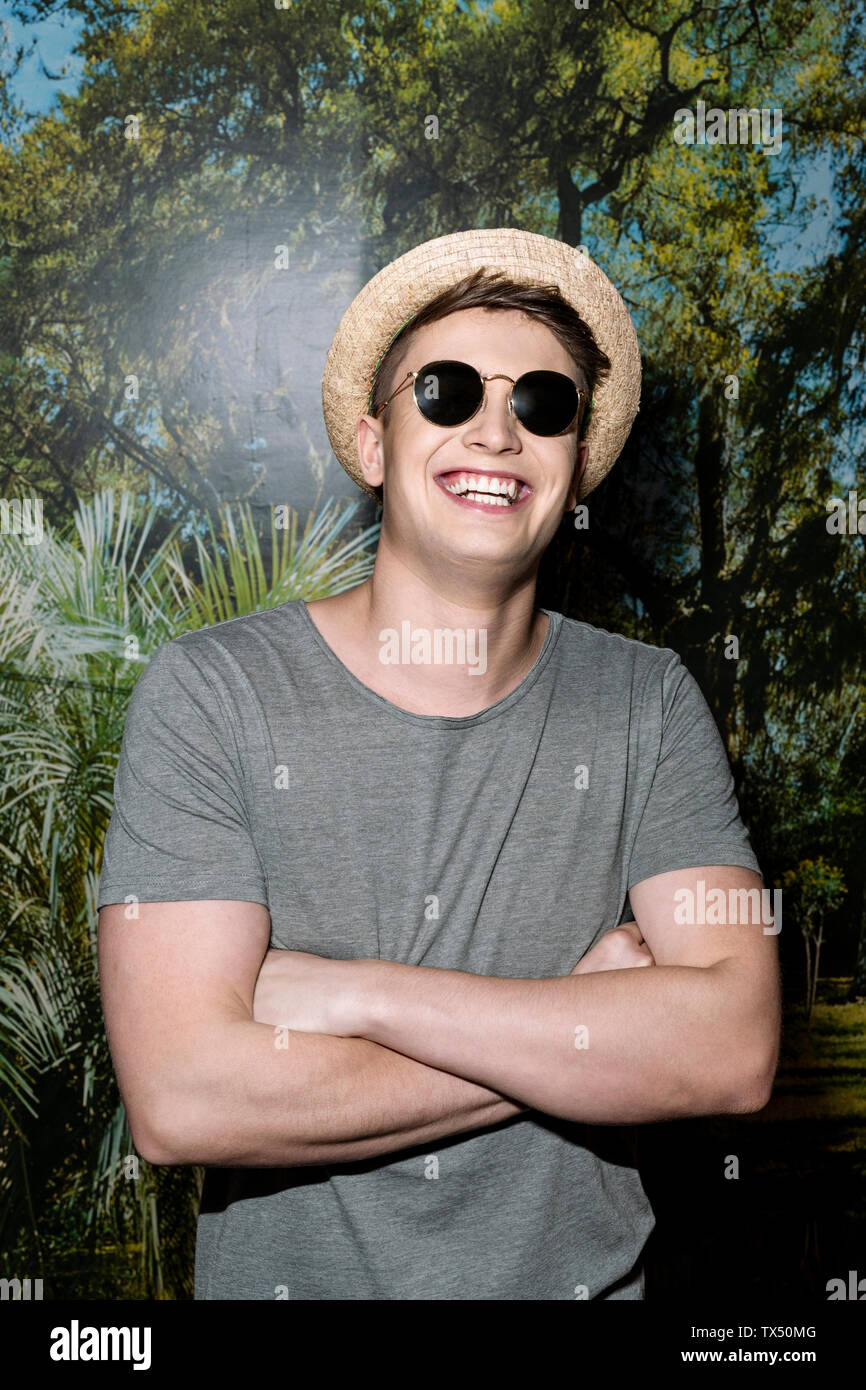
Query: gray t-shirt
[[256, 766]]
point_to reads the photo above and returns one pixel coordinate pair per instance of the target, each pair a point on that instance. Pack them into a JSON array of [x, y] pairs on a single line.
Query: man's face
[[416, 460]]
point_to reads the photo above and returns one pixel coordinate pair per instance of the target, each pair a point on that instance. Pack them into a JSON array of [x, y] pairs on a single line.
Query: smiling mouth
[[496, 491]]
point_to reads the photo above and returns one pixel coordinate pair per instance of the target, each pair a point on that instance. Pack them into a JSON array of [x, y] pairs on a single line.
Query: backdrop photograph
[[191, 197]]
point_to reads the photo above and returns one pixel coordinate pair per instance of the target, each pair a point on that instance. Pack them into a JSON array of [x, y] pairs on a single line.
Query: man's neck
[[428, 649]]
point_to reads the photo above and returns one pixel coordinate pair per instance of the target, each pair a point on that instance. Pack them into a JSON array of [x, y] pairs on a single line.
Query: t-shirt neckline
[[445, 721]]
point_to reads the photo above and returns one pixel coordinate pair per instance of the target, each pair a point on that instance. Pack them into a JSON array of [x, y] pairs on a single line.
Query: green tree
[[816, 888]]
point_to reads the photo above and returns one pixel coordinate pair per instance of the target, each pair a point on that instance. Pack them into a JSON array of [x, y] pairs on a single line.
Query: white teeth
[[484, 488]]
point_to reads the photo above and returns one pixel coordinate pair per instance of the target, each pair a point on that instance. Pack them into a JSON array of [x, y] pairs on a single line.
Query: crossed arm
[[378, 1056]]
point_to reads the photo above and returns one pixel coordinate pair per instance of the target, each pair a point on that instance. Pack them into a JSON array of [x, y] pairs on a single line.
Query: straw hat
[[393, 296]]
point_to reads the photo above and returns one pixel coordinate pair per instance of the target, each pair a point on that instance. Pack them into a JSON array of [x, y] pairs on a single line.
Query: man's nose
[[496, 413]]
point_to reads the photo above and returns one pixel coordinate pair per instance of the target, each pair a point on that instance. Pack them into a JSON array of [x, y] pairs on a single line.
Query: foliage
[[79, 615], [816, 888]]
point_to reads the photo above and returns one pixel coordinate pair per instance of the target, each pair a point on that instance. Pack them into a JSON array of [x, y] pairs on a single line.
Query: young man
[[437, 804]]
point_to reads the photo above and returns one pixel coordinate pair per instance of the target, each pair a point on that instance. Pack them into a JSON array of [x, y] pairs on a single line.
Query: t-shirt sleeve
[[179, 828], [691, 816]]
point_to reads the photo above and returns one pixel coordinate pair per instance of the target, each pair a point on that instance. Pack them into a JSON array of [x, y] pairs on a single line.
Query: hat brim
[[402, 288]]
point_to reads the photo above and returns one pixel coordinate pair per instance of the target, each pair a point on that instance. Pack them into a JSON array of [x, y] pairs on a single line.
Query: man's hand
[[697, 1035], [622, 948], [311, 994]]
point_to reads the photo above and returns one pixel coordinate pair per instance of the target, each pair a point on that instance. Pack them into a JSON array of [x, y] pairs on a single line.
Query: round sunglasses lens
[[448, 392], [545, 402]]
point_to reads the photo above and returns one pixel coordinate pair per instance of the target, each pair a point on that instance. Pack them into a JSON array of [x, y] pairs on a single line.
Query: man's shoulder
[[226, 655], [233, 634], [584, 642]]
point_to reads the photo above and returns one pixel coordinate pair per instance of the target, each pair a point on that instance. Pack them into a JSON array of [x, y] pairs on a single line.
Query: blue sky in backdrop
[[47, 45]]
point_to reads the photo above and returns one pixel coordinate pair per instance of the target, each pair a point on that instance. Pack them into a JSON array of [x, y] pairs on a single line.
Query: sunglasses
[[451, 393]]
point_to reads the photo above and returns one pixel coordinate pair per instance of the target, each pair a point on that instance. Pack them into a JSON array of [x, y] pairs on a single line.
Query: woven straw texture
[[401, 289]]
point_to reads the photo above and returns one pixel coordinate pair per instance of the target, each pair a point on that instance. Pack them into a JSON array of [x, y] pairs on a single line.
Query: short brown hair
[[493, 289]]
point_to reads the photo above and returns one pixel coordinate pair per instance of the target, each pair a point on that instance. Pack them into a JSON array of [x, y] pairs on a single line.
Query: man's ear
[[579, 466], [371, 449]]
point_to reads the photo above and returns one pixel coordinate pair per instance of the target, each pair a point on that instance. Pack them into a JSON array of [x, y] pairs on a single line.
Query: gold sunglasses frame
[[490, 376]]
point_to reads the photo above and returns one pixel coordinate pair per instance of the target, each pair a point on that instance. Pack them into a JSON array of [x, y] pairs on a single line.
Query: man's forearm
[[317, 1100], [619, 1046]]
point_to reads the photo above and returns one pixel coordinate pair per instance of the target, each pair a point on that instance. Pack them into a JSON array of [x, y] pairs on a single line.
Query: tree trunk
[[570, 207], [819, 938], [720, 672]]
